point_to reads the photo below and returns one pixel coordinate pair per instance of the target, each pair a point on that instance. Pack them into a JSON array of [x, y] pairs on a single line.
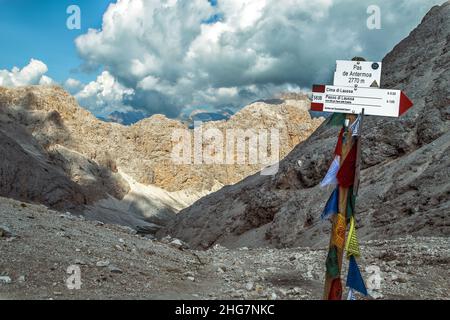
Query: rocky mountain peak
[[80, 163]]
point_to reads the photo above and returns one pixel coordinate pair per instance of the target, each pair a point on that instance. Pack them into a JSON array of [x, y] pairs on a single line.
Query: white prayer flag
[[330, 177]]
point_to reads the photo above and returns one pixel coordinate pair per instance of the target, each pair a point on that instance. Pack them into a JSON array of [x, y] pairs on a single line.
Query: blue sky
[[37, 29], [172, 57]]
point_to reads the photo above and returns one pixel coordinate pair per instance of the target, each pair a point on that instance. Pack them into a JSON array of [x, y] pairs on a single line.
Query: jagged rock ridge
[[56, 153]]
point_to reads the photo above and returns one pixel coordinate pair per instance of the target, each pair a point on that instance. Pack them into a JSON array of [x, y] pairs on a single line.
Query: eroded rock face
[[406, 165], [35, 166], [290, 117], [44, 130]]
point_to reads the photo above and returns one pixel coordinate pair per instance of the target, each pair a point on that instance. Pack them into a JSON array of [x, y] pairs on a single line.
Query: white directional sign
[[377, 102], [357, 73]]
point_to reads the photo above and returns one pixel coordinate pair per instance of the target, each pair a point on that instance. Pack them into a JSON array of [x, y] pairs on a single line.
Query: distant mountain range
[[205, 116], [131, 117], [125, 118]]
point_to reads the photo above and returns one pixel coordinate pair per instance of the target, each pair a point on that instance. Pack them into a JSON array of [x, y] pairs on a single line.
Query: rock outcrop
[[405, 179], [56, 153]]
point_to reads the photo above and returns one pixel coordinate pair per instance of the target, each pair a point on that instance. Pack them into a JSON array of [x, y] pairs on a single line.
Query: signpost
[[355, 92], [375, 102], [357, 73], [333, 286]]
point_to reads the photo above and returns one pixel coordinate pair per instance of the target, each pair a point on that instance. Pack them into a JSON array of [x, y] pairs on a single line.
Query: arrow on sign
[[377, 102]]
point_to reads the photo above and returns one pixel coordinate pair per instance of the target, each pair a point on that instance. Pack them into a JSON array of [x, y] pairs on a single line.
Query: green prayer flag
[[336, 119], [332, 263], [351, 202]]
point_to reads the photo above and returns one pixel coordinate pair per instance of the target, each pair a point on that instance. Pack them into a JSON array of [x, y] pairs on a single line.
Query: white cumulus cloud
[[177, 54], [73, 85], [102, 96], [31, 74], [46, 81]]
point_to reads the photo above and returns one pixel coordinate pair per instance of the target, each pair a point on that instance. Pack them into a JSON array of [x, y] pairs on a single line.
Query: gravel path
[[37, 246]]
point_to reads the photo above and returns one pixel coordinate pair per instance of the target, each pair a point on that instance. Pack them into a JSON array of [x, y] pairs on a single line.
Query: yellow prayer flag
[[352, 245], [339, 231]]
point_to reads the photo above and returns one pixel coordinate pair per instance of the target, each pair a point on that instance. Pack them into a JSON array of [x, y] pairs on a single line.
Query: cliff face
[[37, 163], [405, 179], [56, 153]]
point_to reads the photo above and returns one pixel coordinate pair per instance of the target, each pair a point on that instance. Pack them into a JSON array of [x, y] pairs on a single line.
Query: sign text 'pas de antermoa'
[[354, 91], [364, 74]]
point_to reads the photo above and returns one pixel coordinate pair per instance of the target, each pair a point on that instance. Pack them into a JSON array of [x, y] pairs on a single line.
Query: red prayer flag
[[335, 290], [346, 173], [338, 149]]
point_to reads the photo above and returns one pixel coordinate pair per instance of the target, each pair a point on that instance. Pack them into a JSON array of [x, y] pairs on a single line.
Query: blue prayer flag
[[332, 206], [354, 278]]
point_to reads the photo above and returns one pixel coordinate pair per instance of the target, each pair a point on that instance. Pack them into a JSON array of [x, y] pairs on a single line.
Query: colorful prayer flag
[[357, 166], [339, 231], [346, 173], [330, 177], [332, 263], [336, 119], [352, 244], [332, 205], [351, 296], [338, 148], [351, 202], [354, 278], [335, 290], [355, 126]]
